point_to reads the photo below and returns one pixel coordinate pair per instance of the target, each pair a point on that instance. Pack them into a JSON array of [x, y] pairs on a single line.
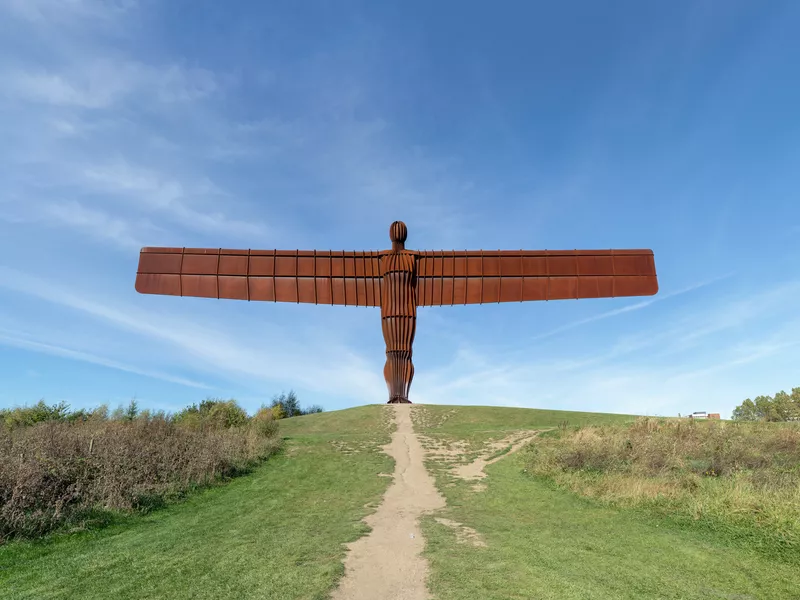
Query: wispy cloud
[[118, 134], [57, 11], [102, 83], [35, 346], [333, 368], [95, 223], [144, 188], [656, 369], [631, 307]]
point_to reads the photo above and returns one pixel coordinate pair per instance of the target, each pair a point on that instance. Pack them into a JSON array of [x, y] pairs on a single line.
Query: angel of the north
[[396, 280]]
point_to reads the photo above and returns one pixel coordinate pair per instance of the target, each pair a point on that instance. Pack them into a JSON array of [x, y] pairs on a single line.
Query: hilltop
[[501, 531]]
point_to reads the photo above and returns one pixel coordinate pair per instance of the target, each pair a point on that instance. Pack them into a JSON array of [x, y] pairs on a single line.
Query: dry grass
[[57, 474], [732, 474]]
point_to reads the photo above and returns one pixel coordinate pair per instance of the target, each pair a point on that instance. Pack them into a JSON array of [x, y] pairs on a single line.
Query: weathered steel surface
[[350, 278], [397, 281]]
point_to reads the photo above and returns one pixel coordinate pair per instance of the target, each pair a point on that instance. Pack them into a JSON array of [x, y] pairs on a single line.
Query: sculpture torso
[[399, 285], [398, 319]]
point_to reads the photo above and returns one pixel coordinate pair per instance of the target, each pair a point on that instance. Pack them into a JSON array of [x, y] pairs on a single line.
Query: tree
[[38, 413], [781, 407], [746, 411], [277, 411], [291, 405], [132, 411], [288, 403]]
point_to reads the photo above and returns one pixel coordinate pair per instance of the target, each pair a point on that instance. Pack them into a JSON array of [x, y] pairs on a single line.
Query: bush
[[213, 413], [737, 473], [59, 469], [30, 415], [265, 423]]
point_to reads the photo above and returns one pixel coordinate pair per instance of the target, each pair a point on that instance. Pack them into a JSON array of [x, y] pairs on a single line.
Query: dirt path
[[386, 564]]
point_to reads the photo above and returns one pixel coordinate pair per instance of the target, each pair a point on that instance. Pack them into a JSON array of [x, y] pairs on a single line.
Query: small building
[[713, 415]]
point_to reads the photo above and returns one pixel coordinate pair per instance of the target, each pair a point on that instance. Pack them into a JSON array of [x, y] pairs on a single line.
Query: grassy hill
[[279, 532], [542, 540]]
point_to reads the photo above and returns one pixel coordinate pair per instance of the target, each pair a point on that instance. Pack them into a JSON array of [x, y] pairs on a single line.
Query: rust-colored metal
[[397, 280]]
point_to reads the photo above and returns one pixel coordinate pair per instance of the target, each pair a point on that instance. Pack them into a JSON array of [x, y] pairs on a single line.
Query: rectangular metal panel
[[158, 283], [233, 265], [261, 288], [200, 286], [160, 263], [233, 287]]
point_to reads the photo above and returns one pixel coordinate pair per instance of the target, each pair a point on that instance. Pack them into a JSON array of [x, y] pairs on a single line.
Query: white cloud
[[54, 350], [95, 223], [631, 307], [57, 11], [104, 83], [324, 366], [651, 372], [143, 188]]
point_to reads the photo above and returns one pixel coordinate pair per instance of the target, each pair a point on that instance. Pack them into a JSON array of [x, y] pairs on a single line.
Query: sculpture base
[[399, 400]]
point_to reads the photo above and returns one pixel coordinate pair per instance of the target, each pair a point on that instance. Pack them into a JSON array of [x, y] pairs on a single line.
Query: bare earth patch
[[464, 534], [387, 562], [475, 470]]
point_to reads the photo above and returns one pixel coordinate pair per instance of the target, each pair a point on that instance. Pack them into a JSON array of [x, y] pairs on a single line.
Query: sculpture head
[[398, 232]]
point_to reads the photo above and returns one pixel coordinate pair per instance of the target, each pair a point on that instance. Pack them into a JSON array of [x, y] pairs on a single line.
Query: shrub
[[213, 413], [30, 415], [734, 472], [265, 423], [67, 471]]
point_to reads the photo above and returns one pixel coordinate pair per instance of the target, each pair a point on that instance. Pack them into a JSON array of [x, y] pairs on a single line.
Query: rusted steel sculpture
[[396, 280]]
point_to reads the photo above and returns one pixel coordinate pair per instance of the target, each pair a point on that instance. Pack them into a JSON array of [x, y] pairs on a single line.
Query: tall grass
[[71, 473], [726, 474]]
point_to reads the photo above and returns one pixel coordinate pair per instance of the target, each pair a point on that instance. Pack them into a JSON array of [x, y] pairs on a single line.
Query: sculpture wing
[[478, 277], [329, 277]]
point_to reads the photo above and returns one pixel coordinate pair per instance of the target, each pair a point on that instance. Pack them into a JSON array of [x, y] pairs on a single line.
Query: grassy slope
[[547, 543], [277, 533]]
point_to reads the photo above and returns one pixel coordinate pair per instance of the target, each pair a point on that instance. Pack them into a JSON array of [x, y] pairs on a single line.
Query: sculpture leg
[[398, 332]]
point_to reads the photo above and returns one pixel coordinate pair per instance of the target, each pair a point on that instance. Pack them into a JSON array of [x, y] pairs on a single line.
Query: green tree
[[781, 407], [24, 416], [746, 411], [132, 411], [289, 405]]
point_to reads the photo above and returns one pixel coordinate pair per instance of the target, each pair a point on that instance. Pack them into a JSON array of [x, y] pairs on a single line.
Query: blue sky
[[671, 126]]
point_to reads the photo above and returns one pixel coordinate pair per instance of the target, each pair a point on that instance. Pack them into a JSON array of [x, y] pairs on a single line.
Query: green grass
[[743, 478], [464, 421], [546, 542], [277, 533], [475, 425]]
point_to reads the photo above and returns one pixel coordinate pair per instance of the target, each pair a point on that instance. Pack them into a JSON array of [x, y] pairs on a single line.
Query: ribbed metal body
[[399, 322]]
